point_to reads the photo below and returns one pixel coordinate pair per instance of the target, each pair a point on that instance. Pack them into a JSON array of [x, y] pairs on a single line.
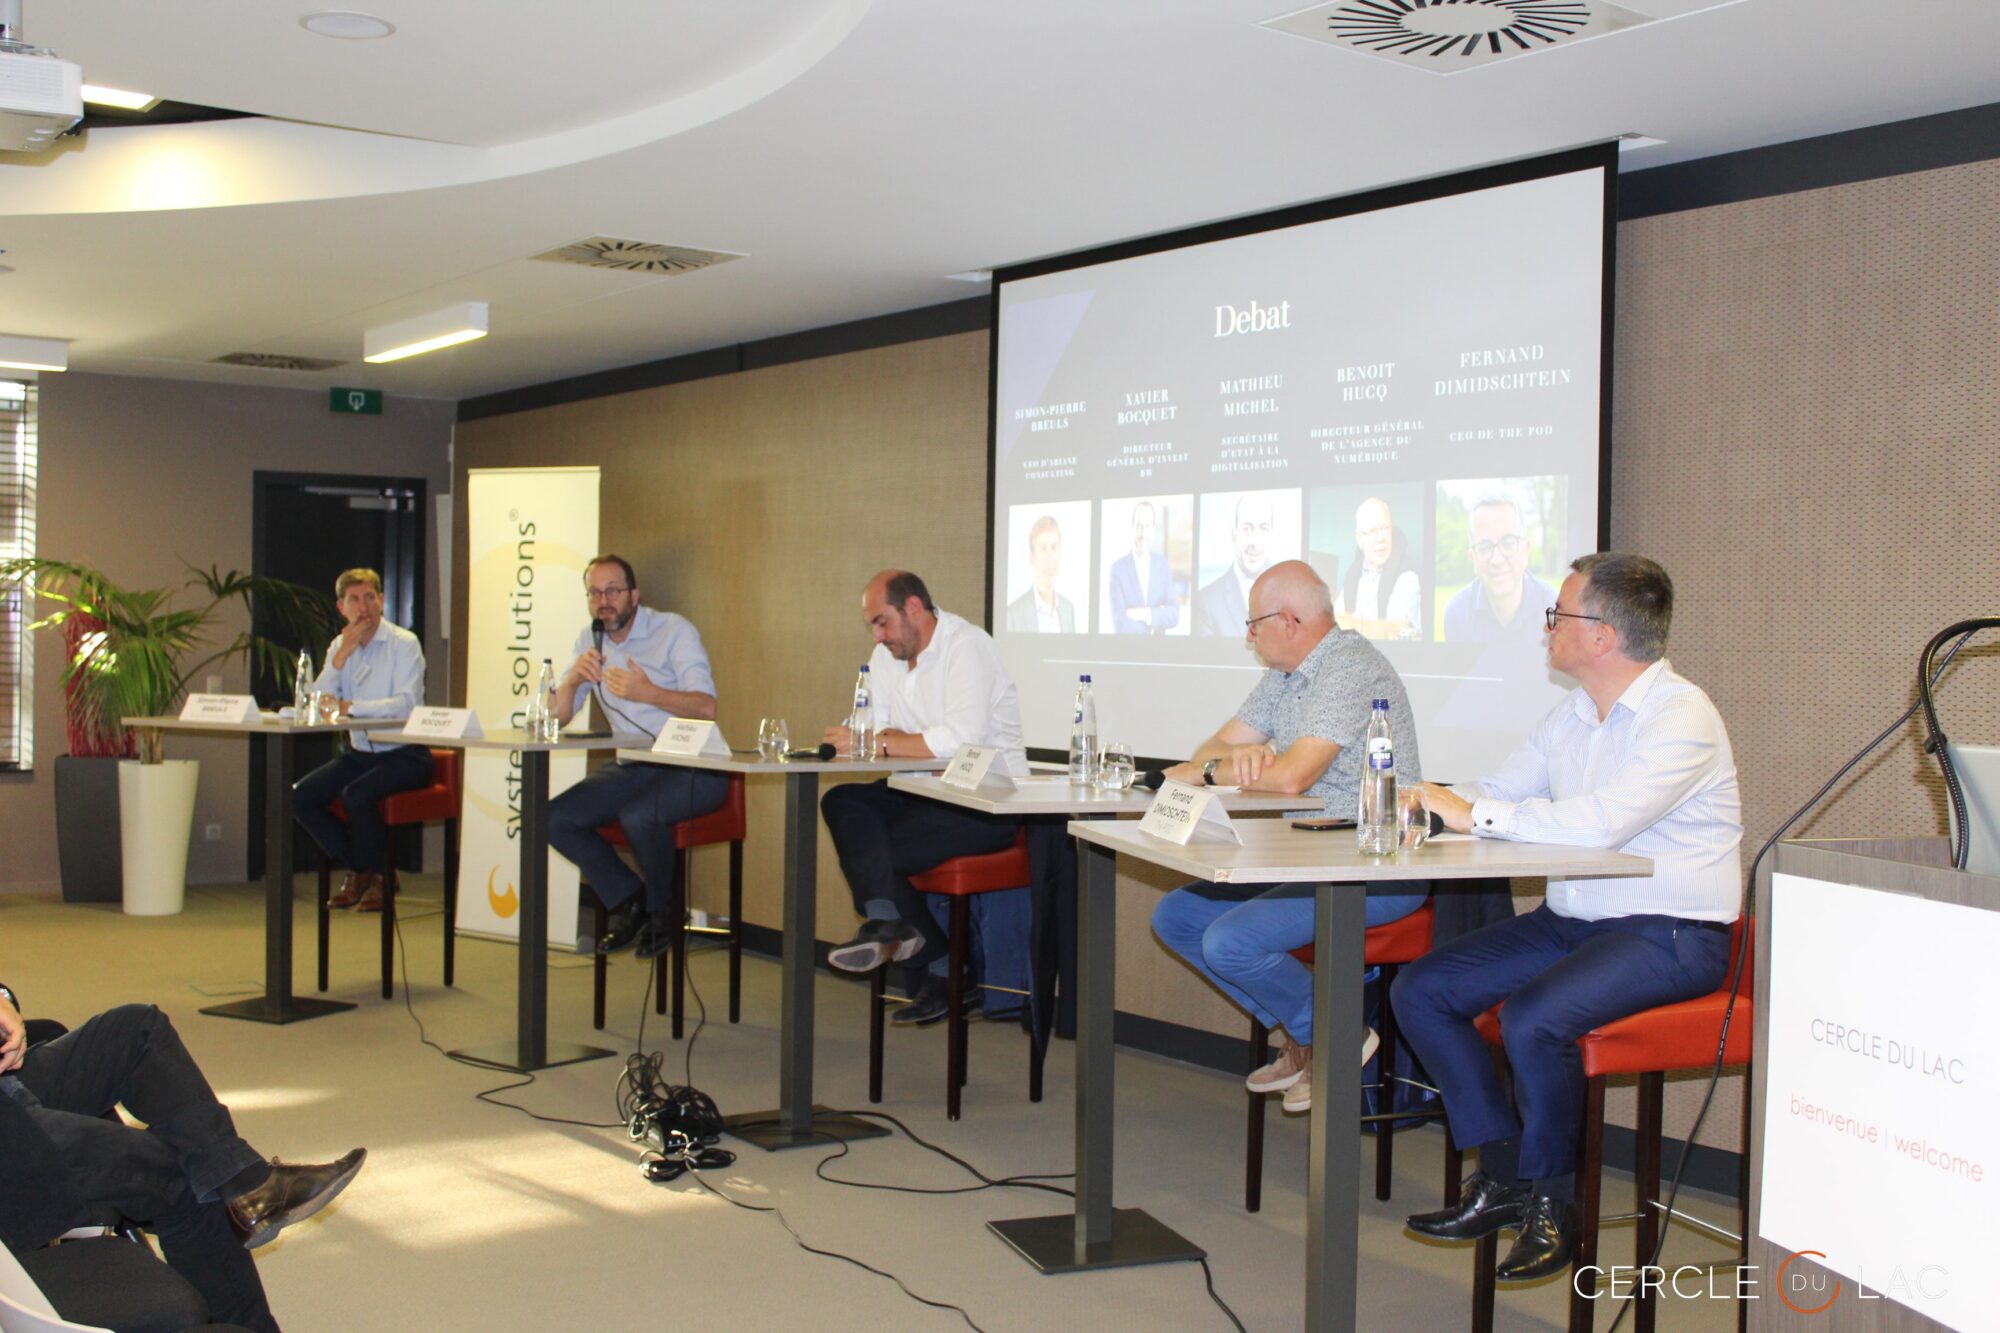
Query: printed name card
[[686, 736], [972, 767], [444, 724], [1182, 812], [219, 708]]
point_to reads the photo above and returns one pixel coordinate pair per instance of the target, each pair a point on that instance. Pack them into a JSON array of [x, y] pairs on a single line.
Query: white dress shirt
[[957, 694], [1655, 778], [382, 678], [1048, 614]]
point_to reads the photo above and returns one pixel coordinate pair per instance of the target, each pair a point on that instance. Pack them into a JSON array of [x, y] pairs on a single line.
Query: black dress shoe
[[1484, 1207], [291, 1194], [621, 927], [1546, 1244], [876, 943], [656, 937]]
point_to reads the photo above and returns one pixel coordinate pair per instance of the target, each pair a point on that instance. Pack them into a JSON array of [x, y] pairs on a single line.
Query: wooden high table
[[531, 1048], [797, 1122], [277, 1004], [1097, 1235]]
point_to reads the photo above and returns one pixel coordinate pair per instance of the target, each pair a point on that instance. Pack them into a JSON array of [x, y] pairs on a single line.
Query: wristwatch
[[1208, 772]]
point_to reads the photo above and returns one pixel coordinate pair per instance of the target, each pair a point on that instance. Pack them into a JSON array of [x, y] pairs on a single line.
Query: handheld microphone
[[823, 752], [597, 636], [1153, 779]]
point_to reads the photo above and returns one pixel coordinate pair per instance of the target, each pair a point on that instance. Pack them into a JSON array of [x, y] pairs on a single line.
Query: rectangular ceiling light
[[33, 353], [98, 95], [426, 333]]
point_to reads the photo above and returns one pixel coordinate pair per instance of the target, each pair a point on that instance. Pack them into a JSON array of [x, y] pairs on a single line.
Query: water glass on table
[[1413, 819], [773, 738], [1115, 770]]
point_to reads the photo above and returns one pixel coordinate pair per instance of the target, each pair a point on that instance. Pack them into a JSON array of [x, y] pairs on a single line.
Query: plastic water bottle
[[302, 684], [862, 723], [542, 721], [1083, 737], [1375, 831]]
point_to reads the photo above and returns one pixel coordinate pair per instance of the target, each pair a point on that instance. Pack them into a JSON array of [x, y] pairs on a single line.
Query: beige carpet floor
[[474, 1217]]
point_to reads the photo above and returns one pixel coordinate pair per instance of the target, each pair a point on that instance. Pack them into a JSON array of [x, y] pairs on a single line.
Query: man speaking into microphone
[[643, 667]]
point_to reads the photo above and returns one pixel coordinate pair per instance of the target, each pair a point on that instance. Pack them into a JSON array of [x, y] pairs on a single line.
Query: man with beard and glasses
[[651, 668], [1300, 732], [1223, 604]]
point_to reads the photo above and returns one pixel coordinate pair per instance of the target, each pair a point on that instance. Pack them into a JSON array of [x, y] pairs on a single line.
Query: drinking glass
[[325, 708], [773, 739], [1413, 820], [1115, 770]]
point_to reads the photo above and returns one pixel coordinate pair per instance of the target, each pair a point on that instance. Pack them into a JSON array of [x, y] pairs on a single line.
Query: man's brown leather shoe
[[350, 890], [292, 1194], [371, 896]]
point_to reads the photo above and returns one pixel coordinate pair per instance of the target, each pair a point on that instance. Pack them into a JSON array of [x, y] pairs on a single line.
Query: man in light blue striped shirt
[[1635, 760], [376, 670]]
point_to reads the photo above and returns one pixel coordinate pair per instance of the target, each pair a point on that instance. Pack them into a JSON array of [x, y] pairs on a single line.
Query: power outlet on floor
[[213, 833]]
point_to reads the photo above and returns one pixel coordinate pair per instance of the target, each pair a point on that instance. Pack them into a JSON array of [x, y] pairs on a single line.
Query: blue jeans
[[1245, 946], [1560, 978]]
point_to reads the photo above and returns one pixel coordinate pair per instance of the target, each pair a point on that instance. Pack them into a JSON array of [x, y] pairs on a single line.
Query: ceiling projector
[[41, 97]]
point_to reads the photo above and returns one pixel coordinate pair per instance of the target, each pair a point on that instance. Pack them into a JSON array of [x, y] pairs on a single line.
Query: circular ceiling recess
[[347, 25]]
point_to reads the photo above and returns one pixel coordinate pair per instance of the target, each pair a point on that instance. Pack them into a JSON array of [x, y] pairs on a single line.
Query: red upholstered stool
[[730, 823], [958, 878], [1652, 1044], [1386, 946], [426, 805]]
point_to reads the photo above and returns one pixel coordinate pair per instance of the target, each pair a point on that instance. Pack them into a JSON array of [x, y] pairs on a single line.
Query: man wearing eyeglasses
[[1504, 602], [1299, 732], [643, 667], [1636, 759]]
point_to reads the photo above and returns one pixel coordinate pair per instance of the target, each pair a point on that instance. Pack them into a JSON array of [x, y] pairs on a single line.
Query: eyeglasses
[[1507, 545], [1250, 625], [605, 594], [1550, 616]]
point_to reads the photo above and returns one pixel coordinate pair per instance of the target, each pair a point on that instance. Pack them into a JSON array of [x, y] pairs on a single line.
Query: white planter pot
[[156, 817]]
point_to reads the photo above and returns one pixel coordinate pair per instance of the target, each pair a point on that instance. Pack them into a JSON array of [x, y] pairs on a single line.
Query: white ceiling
[[856, 151]]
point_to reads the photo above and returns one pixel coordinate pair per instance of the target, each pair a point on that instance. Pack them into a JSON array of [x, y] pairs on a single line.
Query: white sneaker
[[1282, 1072], [1299, 1097], [1370, 1040]]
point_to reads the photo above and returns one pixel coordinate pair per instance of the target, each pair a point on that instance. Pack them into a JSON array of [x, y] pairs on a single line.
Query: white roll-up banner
[[530, 530]]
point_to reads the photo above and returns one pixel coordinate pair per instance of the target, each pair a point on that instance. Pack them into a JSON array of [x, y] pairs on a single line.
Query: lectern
[[1876, 1131]]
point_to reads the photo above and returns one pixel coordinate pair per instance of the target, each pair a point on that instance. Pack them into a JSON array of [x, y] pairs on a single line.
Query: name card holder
[[444, 724], [972, 768], [1183, 813], [686, 736], [220, 708]]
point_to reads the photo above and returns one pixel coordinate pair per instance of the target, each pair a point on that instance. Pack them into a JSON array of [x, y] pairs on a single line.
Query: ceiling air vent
[[1448, 36], [276, 361], [636, 256]]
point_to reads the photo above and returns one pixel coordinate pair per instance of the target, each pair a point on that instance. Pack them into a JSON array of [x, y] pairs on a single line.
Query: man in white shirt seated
[[1637, 760], [651, 667], [375, 669], [937, 683]]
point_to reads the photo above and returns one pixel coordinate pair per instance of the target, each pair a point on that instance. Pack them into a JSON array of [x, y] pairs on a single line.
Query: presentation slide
[[1408, 397], [1882, 1086]]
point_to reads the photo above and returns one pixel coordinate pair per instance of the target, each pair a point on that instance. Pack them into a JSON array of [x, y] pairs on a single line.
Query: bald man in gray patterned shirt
[[1310, 708]]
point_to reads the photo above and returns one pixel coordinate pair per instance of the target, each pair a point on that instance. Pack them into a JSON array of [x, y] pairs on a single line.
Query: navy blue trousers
[[1559, 978], [359, 778], [646, 800]]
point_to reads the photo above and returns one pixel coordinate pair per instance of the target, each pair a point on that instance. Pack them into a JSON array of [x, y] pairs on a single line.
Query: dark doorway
[[308, 528]]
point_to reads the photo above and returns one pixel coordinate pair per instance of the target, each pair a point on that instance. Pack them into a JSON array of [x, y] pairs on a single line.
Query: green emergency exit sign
[[368, 402]]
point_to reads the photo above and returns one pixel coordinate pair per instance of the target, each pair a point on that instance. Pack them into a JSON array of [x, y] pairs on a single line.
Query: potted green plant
[[132, 653]]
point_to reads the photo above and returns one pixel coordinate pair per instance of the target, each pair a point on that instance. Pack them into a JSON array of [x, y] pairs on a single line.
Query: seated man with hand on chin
[[1636, 760], [1301, 730]]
